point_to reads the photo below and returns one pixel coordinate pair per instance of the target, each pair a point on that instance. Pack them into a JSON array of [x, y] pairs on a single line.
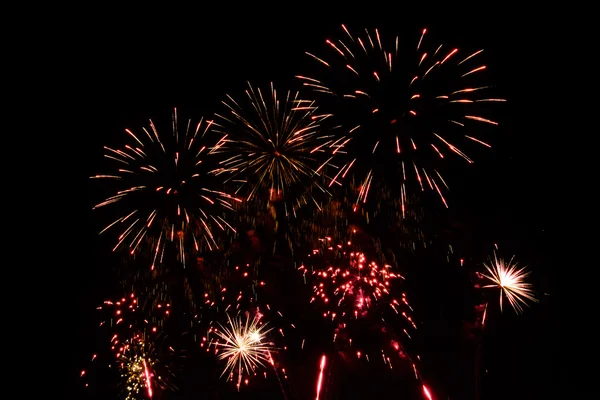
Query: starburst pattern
[[276, 143], [403, 113], [167, 191], [510, 279], [243, 344]]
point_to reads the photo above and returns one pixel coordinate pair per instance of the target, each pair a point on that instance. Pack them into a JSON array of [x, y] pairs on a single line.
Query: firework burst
[[274, 142], [140, 369], [166, 191], [245, 347], [138, 346], [510, 279], [355, 294], [238, 300], [407, 111]]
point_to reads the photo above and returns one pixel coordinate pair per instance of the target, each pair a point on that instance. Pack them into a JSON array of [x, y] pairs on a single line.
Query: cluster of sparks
[[125, 315], [136, 363], [166, 191], [511, 280], [408, 109], [132, 346], [349, 287], [276, 143]]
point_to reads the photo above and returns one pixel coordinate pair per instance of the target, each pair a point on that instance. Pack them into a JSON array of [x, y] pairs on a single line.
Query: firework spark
[[167, 191], [510, 279], [274, 142], [127, 314], [403, 116]]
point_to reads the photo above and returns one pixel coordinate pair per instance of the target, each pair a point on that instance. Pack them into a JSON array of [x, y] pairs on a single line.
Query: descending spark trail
[[167, 191], [147, 375], [405, 114], [427, 393], [320, 380]]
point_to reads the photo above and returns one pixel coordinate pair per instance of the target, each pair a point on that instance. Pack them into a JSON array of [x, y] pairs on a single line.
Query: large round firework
[[275, 147], [404, 110], [165, 191]]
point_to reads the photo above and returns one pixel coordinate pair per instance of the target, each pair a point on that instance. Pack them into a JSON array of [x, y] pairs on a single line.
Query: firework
[[400, 218], [132, 313], [510, 279], [244, 346], [240, 302], [274, 143], [167, 192], [140, 369], [406, 111], [355, 294], [138, 346]]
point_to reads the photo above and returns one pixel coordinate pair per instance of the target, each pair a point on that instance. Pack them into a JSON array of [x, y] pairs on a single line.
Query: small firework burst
[[138, 365], [356, 294], [244, 346], [405, 113], [166, 192], [510, 279], [240, 301]]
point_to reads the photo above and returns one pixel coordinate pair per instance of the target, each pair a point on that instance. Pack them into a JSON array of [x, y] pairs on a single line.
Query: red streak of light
[[147, 375], [320, 381], [426, 391]]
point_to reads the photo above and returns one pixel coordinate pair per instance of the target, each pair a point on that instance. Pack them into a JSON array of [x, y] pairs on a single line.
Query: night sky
[[138, 66]]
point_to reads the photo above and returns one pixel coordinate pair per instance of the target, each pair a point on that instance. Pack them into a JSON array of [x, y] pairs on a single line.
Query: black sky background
[[138, 66]]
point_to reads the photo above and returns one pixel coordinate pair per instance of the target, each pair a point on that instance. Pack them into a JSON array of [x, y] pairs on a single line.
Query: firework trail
[[138, 347], [166, 192], [407, 111], [275, 143], [322, 364]]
